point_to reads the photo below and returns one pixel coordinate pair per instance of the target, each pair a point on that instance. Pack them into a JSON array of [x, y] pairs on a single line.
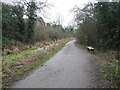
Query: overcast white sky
[[61, 8]]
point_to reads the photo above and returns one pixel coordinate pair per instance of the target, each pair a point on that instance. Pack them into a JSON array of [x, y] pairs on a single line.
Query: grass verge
[[111, 71], [9, 58], [109, 68], [16, 73], [79, 46]]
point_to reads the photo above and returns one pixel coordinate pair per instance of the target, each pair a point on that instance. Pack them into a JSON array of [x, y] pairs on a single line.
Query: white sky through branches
[[61, 8]]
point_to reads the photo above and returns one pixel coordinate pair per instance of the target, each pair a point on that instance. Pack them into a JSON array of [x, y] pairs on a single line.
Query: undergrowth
[[111, 71]]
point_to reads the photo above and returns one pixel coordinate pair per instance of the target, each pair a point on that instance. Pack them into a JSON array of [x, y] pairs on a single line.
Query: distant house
[[40, 22]]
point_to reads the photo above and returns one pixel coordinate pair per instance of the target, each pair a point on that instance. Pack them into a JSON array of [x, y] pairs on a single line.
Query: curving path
[[69, 68]]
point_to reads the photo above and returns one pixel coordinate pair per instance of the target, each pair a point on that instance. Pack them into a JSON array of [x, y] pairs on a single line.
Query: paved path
[[69, 68]]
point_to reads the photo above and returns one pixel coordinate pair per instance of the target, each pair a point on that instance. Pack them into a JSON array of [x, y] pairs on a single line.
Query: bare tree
[[59, 19]]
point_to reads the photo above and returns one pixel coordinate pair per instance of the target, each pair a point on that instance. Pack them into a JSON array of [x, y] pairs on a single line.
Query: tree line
[[99, 25], [16, 27]]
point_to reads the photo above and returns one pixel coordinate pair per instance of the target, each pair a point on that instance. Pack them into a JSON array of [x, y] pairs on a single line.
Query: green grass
[[109, 68], [41, 61], [8, 59], [18, 72], [106, 56], [79, 46], [111, 71]]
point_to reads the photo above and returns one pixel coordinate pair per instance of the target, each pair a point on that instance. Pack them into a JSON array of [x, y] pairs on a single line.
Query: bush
[[49, 33], [40, 35]]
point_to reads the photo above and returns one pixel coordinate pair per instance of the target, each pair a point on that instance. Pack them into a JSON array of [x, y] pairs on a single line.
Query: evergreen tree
[[31, 13]]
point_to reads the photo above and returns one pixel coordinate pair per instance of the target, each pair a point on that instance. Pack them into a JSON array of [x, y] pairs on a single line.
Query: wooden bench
[[90, 49]]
